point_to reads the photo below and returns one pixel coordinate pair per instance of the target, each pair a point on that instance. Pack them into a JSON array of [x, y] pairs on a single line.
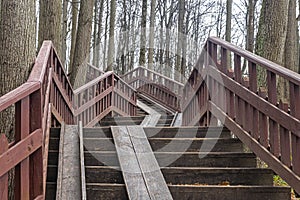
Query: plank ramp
[[153, 117], [69, 175], [141, 172]]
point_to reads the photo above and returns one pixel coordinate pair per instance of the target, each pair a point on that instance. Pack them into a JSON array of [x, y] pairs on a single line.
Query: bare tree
[[50, 23], [151, 34], [75, 10], [111, 45], [271, 35], [83, 38], [17, 55], [142, 59]]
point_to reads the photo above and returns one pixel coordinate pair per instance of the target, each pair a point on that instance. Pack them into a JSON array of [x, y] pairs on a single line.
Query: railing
[[46, 100], [271, 129], [156, 86], [93, 72]]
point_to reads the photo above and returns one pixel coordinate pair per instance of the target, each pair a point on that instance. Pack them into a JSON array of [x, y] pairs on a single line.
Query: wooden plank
[[156, 184], [178, 120], [69, 185], [135, 184], [20, 151], [285, 172], [82, 167], [17, 94], [3, 178]]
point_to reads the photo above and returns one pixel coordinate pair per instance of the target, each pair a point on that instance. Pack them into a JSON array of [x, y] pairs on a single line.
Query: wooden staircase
[[196, 162]]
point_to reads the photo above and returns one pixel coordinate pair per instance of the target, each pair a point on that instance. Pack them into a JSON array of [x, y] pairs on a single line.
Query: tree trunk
[[250, 25], [151, 34], [100, 29], [95, 26], [105, 37], [64, 32], [142, 59], [111, 44], [50, 23], [75, 10], [291, 48], [271, 35], [82, 46], [181, 5], [228, 20], [17, 55]]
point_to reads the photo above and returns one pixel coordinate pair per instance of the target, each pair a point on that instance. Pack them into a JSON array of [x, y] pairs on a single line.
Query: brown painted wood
[[290, 177], [262, 105], [17, 94], [4, 177], [20, 151]]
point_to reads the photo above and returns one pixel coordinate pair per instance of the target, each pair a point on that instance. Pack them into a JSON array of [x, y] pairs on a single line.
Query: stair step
[[103, 174], [55, 133], [99, 144], [192, 132], [53, 157], [96, 191], [50, 190], [53, 143], [51, 173], [196, 145], [216, 176], [167, 132], [97, 133], [213, 159], [185, 192], [96, 158], [120, 123]]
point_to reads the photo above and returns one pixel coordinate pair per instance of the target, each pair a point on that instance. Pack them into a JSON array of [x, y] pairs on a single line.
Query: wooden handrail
[[160, 88], [215, 92], [48, 90]]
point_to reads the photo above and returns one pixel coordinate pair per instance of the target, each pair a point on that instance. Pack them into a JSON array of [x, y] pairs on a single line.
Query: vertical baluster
[[36, 159], [295, 111], [224, 61], [273, 126], [285, 140], [237, 68], [4, 178], [263, 123]]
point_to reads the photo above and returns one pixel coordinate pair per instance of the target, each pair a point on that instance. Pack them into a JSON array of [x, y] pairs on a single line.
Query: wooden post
[[4, 178], [36, 159]]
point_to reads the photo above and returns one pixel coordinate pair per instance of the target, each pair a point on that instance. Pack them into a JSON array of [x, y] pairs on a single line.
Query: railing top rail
[[17, 94], [269, 65], [93, 82], [156, 73], [122, 81], [95, 68]]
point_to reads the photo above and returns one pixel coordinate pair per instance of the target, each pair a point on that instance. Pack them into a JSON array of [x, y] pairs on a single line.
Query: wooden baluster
[[36, 159], [253, 88], [22, 131], [263, 122], [4, 178], [237, 68], [295, 111], [285, 140], [224, 61], [273, 126]]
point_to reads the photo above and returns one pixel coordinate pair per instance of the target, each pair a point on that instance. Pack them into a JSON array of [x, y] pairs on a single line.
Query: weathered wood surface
[[178, 120], [150, 169], [82, 161], [153, 117], [136, 187], [69, 176]]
